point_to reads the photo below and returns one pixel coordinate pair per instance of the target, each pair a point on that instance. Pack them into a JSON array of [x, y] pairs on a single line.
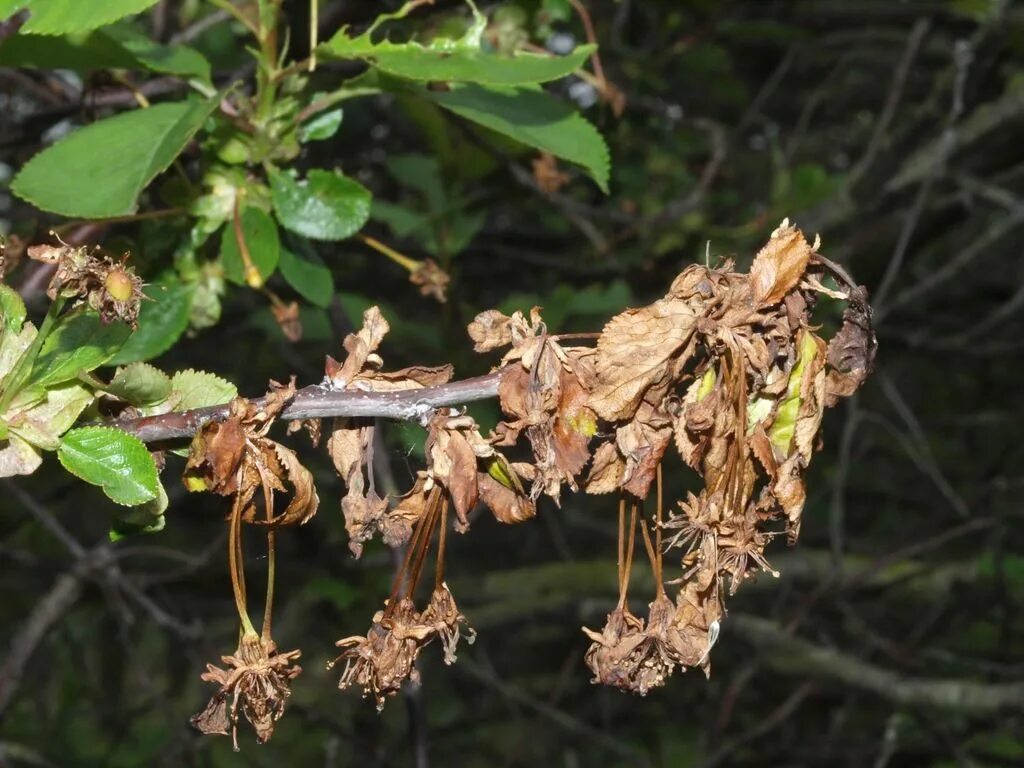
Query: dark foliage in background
[[894, 635]]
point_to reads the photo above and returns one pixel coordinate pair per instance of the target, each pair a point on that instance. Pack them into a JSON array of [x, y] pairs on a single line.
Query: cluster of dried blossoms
[[236, 458], [111, 288], [727, 366]]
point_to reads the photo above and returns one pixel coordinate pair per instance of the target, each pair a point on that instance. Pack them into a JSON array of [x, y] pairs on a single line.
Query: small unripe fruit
[[119, 284]]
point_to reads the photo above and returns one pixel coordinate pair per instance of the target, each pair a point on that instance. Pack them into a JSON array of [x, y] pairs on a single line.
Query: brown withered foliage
[[549, 177], [544, 394], [236, 458], [351, 442], [256, 679], [727, 371], [729, 367]]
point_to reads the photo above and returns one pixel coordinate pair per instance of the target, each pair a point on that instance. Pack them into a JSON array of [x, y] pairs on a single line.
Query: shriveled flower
[[442, 616], [741, 547], [257, 679], [386, 657], [632, 657], [611, 649], [112, 289], [431, 279]]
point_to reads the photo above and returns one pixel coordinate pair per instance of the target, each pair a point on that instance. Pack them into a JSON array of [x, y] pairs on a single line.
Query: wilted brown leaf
[[490, 330], [635, 353], [780, 264]]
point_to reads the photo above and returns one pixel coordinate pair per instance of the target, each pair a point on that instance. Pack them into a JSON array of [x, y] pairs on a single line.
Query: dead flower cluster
[[728, 367]]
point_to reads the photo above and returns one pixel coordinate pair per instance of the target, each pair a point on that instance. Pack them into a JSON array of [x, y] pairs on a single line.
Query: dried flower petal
[[257, 679]]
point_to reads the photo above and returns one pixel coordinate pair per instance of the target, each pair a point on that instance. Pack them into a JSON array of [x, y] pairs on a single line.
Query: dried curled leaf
[[780, 264]]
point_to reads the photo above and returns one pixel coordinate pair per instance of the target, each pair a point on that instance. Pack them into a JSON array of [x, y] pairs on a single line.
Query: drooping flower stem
[[431, 518], [624, 585], [268, 604], [420, 537], [442, 539], [236, 568]]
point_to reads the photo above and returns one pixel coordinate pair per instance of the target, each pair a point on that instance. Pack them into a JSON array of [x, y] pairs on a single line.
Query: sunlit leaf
[[99, 170], [56, 17], [327, 205], [114, 460]]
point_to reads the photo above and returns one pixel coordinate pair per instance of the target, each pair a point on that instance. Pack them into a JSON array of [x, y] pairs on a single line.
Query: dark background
[[892, 128]]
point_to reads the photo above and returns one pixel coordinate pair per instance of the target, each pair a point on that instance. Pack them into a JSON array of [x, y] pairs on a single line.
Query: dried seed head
[[385, 658], [257, 679], [443, 618], [610, 649]]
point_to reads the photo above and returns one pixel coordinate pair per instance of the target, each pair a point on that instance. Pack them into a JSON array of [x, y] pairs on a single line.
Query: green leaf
[[783, 428], [321, 126], [199, 389], [56, 17], [261, 240], [462, 60], [111, 48], [143, 519], [99, 170], [140, 384], [534, 118], [326, 206], [12, 309], [306, 273], [114, 460], [80, 343], [162, 320], [44, 423]]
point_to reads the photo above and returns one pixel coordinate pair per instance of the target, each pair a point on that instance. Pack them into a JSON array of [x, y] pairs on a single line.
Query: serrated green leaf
[[43, 423], [199, 389], [326, 206], [140, 384], [307, 274], [81, 342], [114, 460], [110, 48], [99, 171], [321, 126], [162, 320], [534, 118], [262, 242], [142, 519], [461, 60], [783, 428], [57, 17], [12, 309]]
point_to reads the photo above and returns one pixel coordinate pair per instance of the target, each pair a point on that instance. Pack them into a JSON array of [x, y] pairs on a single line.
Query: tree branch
[[318, 401], [789, 654]]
